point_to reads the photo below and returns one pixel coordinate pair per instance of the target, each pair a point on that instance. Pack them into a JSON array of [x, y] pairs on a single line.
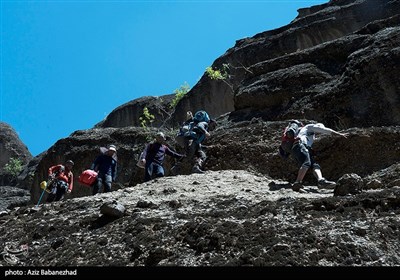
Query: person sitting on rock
[[62, 181]]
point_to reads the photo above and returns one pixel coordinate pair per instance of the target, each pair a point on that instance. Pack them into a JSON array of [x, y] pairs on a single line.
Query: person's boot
[[325, 184]]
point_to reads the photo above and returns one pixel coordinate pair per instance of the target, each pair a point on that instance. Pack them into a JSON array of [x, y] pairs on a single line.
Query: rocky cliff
[[11, 146], [335, 63], [129, 113], [325, 54]]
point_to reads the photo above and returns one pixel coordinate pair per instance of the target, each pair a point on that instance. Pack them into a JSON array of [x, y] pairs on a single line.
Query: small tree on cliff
[[179, 94], [219, 74], [13, 168], [146, 118]]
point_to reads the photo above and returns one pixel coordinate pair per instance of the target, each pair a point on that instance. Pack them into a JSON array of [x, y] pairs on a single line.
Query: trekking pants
[[303, 156], [102, 179], [195, 154], [153, 168], [58, 190]]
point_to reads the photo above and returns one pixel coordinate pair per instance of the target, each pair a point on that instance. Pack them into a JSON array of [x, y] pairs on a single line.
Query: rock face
[[337, 92], [336, 63], [129, 113], [12, 197], [11, 147], [326, 53]]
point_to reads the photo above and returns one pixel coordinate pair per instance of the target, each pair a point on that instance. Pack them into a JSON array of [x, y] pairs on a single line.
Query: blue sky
[[65, 65]]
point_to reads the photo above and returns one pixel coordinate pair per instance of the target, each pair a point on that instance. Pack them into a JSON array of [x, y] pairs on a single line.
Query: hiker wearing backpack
[[303, 154], [194, 147], [62, 180], [190, 137], [106, 167], [153, 157]]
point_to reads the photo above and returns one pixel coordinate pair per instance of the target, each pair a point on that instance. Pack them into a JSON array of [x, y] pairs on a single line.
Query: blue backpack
[[192, 131], [201, 116]]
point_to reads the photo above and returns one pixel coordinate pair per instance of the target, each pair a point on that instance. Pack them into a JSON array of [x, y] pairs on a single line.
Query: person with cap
[[153, 157], [106, 167], [62, 181]]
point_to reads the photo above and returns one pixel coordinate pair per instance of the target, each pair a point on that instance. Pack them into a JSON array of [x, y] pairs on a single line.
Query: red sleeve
[[54, 169]]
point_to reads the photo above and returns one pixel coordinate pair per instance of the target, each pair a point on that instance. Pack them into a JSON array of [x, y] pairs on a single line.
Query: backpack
[[201, 116], [289, 136], [191, 131], [87, 177]]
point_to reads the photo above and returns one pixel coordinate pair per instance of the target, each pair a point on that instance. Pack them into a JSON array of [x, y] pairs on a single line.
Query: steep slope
[[225, 218]]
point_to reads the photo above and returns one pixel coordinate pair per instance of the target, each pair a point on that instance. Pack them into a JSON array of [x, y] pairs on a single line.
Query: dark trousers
[[151, 169], [58, 190], [304, 156], [102, 179], [195, 157], [195, 154]]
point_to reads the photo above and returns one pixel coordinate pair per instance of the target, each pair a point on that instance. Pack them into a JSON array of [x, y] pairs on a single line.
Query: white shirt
[[307, 133]]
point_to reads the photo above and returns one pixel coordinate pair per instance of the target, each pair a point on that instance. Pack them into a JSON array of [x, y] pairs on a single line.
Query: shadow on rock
[[102, 221], [273, 186]]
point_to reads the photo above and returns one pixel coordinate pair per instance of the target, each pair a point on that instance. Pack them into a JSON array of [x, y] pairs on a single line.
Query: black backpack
[[289, 136]]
